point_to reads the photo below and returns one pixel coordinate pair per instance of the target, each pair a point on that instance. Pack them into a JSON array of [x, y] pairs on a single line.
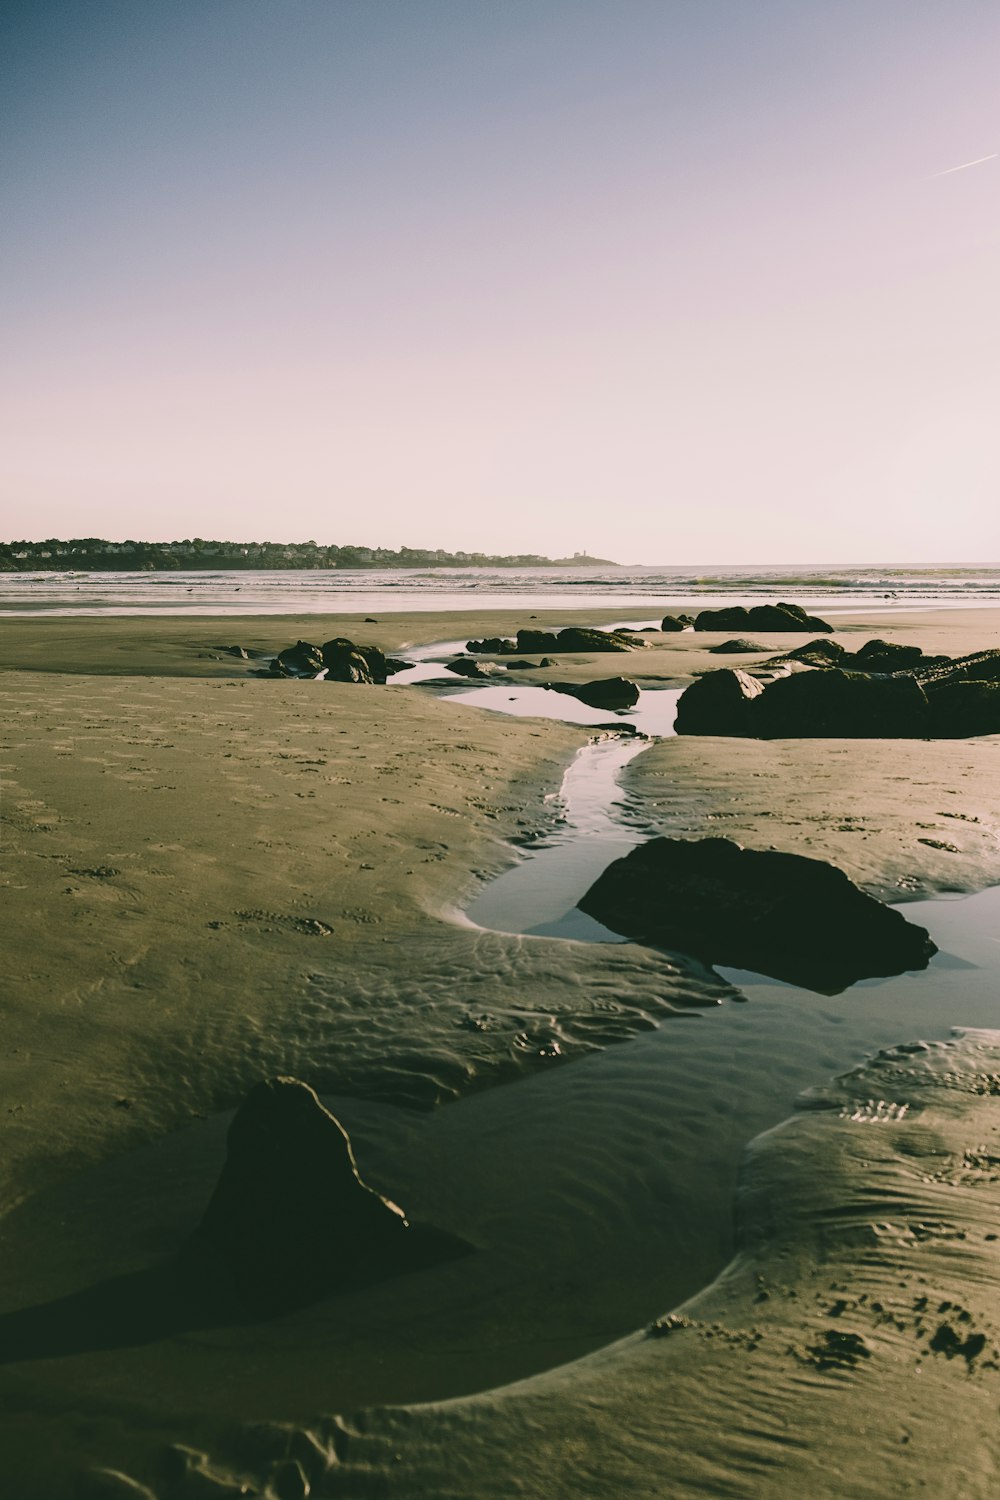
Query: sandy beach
[[211, 878]]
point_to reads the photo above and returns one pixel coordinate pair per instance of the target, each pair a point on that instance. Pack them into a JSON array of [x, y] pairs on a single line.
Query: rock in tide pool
[[290, 1220], [793, 918], [609, 692]]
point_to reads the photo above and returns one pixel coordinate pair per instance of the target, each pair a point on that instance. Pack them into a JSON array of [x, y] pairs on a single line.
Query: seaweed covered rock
[[290, 1220], [718, 703], [796, 919], [774, 617]]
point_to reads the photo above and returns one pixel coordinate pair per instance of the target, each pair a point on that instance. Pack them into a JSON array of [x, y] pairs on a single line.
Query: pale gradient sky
[[668, 280]]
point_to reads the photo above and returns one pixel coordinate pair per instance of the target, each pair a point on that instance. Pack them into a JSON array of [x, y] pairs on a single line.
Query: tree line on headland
[[89, 554]]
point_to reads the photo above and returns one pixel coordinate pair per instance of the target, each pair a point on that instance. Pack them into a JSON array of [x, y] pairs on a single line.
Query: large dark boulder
[[300, 660], [773, 617], [672, 622], [718, 703], [290, 1220], [796, 919], [609, 692], [833, 704], [346, 661], [959, 710]]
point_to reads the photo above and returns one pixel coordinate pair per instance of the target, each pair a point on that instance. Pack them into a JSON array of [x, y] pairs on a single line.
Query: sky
[[666, 281]]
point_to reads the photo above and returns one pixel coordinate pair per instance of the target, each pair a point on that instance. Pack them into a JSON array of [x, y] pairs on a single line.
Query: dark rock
[[573, 638], [959, 710], [300, 660], [841, 705], [394, 664], [672, 622], [347, 662], [718, 703], [535, 640], [796, 919], [884, 656], [774, 617], [370, 620], [814, 654], [735, 648], [546, 661], [609, 692], [290, 1220], [467, 666], [493, 645], [579, 638], [520, 666]]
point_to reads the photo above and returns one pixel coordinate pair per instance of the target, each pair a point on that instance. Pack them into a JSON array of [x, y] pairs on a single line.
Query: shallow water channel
[[538, 895]]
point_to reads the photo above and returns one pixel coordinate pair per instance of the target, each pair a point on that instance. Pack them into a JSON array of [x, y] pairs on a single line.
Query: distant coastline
[[94, 554]]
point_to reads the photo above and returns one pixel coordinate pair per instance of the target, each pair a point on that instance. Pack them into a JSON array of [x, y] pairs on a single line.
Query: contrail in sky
[[948, 170]]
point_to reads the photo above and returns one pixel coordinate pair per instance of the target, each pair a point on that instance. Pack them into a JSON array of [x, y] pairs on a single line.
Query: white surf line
[[964, 166]]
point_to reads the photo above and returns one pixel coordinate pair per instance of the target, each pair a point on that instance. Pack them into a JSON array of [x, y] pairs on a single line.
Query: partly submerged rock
[[346, 661], [573, 638], [290, 1220], [467, 666], [301, 660], [796, 919], [608, 692]]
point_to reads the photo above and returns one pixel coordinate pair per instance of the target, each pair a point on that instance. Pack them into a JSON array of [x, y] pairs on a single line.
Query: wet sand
[[212, 878]]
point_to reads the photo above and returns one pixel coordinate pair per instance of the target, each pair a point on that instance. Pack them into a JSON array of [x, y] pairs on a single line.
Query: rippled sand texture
[[852, 1347], [211, 878]]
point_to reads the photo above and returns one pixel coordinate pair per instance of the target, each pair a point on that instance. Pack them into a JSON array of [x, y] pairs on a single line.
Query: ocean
[[330, 591]]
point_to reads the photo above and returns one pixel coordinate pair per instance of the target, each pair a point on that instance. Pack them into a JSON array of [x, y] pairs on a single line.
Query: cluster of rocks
[[339, 660], [290, 1220], [882, 691], [671, 623], [797, 919], [774, 617], [573, 638], [606, 692]]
